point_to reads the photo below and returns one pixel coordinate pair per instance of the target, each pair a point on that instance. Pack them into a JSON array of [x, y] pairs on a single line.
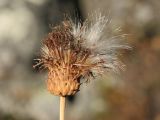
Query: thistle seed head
[[72, 52]]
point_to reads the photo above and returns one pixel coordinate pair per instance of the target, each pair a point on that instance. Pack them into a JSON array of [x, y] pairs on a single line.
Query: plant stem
[[62, 107]]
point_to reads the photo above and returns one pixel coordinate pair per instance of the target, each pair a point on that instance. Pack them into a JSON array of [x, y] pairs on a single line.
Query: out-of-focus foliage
[[135, 96]]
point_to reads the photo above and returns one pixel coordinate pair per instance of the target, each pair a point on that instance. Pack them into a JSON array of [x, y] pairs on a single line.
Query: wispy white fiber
[[103, 47]]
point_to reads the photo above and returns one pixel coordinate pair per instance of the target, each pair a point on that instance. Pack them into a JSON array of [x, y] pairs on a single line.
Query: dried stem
[[62, 107]]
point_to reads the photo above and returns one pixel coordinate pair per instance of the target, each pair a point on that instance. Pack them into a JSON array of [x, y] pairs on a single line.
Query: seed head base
[[59, 84]]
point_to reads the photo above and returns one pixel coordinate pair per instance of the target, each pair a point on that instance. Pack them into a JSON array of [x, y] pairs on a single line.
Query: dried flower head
[[72, 52]]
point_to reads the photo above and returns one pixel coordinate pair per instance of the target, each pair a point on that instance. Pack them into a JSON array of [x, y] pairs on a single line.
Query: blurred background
[[134, 96]]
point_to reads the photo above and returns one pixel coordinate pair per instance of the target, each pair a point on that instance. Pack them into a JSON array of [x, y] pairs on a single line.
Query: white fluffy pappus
[[94, 35]]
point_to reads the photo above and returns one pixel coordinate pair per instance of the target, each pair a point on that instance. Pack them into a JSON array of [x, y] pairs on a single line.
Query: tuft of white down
[[45, 51], [103, 47]]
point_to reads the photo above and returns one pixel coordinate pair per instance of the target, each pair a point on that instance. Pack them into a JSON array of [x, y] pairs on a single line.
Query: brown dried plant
[[73, 52]]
